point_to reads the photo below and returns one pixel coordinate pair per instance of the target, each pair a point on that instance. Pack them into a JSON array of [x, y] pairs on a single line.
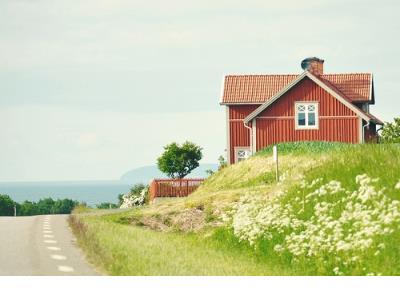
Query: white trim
[[236, 149], [292, 84], [254, 138], [316, 112], [228, 137], [370, 87], [221, 94]]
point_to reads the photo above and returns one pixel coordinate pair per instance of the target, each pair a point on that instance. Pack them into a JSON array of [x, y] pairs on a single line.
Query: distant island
[[147, 173]]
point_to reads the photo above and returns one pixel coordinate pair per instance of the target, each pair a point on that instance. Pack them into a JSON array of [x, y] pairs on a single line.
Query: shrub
[[138, 195], [6, 205], [391, 132]]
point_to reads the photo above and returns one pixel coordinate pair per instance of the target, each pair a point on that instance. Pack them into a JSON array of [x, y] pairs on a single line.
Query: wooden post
[[275, 156]]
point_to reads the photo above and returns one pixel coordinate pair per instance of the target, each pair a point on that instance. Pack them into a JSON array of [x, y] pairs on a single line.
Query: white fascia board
[[221, 94], [273, 98]]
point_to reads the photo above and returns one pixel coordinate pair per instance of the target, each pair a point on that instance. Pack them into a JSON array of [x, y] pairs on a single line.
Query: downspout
[[251, 135], [363, 130]]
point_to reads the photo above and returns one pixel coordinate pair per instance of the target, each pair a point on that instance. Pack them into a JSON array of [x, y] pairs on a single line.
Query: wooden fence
[[164, 188]]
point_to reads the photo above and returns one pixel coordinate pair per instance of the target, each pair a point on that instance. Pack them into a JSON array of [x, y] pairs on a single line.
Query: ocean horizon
[[90, 192]]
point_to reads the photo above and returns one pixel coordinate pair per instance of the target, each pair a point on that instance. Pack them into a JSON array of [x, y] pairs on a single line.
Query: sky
[[90, 89]]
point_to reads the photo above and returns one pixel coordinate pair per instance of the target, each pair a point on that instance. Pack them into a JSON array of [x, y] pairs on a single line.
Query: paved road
[[40, 245]]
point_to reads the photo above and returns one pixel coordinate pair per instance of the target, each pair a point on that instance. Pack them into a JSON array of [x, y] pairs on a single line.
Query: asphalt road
[[40, 245]]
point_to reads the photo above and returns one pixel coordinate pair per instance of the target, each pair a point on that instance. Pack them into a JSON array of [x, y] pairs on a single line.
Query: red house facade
[[262, 110]]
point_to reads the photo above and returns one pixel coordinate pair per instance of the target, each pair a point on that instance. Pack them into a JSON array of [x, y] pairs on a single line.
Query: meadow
[[335, 211]]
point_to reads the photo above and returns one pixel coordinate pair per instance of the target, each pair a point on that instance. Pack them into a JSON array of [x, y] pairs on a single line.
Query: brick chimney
[[313, 65]]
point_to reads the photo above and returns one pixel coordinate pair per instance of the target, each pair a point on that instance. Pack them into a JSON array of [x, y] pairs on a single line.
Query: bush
[[138, 195], [391, 132], [6, 205]]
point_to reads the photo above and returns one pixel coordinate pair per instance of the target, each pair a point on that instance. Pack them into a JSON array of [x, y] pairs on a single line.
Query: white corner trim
[[228, 137], [371, 84], [292, 84]]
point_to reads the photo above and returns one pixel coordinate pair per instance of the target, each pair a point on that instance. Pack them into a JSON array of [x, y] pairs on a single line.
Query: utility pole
[[275, 156]]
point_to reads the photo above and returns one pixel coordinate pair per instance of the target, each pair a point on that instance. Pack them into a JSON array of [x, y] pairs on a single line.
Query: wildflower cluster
[[324, 219], [130, 200]]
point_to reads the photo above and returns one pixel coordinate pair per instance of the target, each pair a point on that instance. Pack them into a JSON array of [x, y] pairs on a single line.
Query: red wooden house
[[267, 109]]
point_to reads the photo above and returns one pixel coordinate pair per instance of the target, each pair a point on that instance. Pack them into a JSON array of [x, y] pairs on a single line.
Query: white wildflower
[[397, 186]]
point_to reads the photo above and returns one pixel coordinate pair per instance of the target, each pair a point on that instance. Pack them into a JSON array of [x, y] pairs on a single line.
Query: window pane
[[311, 119], [301, 119], [311, 108], [301, 108]]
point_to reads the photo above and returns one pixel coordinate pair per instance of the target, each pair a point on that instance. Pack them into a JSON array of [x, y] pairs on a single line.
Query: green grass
[[194, 241], [120, 249]]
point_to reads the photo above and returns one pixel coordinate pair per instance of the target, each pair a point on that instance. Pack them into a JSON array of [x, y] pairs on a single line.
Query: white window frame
[[316, 111], [237, 149]]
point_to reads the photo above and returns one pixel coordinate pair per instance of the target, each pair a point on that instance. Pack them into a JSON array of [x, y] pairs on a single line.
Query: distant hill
[[147, 173]]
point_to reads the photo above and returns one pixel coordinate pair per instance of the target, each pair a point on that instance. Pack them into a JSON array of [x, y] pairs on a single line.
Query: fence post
[[275, 155]]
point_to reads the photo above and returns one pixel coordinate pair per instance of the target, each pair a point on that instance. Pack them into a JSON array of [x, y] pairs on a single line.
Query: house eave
[[284, 90]]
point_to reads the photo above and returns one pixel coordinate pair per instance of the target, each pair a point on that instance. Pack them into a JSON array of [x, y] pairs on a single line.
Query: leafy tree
[[177, 161], [64, 206], [137, 189], [6, 205], [45, 206], [28, 208], [391, 132]]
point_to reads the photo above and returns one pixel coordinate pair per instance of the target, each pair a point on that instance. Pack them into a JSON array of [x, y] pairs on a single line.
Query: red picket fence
[[164, 188]]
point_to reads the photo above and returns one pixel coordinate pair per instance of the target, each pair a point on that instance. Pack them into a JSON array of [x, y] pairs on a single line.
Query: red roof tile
[[242, 89]]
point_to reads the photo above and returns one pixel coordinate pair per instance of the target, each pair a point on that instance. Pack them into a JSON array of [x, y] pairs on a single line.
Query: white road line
[[47, 232], [48, 236], [50, 241], [53, 248], [65, 269], [58, 257], [46, 228]]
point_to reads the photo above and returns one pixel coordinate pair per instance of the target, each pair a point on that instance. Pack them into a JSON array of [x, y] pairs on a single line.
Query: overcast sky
[[90, 89]]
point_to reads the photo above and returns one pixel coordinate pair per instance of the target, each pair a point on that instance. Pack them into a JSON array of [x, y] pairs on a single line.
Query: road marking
[[46, 228], [48, 236], [50, 241], [47, 232], [53, 248], [58, 257], [65, 269]]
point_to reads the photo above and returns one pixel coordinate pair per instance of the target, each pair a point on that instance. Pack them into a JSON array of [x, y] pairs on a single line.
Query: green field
[[335, 212]]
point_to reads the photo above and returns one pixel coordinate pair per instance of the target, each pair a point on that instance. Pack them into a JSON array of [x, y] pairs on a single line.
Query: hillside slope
[[335, 211]]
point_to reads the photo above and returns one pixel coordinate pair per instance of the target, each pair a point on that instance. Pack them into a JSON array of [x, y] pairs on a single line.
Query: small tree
[[177, 161], [6, 205], [391, 132]]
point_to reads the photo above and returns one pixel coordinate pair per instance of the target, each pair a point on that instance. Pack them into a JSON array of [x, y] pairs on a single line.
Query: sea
[[90, 192]]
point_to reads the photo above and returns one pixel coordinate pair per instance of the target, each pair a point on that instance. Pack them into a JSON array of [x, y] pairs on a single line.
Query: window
[[306, 115], [242, 153]]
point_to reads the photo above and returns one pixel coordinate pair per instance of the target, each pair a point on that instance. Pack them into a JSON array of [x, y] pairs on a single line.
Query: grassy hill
[[335, 211]]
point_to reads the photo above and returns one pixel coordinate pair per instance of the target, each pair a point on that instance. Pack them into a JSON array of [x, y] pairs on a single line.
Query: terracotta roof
[[327, 85], [242, 89]]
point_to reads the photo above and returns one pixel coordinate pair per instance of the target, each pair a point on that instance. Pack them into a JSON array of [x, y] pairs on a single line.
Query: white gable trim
[[265, 105]]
